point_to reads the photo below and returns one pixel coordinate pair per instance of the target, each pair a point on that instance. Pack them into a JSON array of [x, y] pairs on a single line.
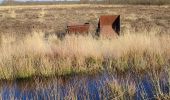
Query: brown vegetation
[[30, 46], [54, 18], [36, 55], [31, 2]]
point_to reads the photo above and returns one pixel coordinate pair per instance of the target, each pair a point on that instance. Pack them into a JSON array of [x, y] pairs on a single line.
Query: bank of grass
[[35, 55], [141, 2], [134, 2]]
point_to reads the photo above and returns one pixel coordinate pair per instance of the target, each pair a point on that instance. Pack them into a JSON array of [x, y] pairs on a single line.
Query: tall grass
[[36, 55]]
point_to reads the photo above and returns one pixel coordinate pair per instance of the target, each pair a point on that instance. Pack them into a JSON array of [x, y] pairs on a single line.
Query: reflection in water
[[79, 87]]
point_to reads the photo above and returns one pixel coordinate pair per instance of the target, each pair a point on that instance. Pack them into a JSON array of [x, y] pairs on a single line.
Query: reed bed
[[130, 87], [37, 55]]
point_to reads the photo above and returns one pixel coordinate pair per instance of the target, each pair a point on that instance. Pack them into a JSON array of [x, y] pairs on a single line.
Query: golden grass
[[36, 55], [68, 6], [60, 6], [120, 92]]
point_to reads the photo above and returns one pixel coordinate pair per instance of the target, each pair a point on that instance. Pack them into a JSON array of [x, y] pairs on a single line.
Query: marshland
[[39, 61]]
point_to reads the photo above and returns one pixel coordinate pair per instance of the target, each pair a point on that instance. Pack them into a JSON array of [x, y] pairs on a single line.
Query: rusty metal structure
[[109, 26], [77, 28]]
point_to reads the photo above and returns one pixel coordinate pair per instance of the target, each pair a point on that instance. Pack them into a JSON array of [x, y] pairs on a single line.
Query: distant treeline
[[31, 2]]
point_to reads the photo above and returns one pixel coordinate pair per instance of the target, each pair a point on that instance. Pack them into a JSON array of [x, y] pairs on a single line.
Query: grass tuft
[[36, 55]]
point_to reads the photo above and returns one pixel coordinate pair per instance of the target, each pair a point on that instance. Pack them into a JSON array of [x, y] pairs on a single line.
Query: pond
[[91, 87]]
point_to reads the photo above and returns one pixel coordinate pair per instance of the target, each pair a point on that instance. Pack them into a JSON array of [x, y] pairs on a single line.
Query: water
[[76, 87]]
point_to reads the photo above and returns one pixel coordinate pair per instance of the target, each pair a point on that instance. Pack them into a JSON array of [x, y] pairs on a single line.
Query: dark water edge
[[91, 87]]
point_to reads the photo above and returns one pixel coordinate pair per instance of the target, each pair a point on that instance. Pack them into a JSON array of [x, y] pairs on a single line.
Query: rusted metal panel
[[109, 25], [78, 28]]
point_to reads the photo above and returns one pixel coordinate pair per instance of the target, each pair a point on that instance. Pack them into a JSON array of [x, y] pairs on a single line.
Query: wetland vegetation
[[36, 63]]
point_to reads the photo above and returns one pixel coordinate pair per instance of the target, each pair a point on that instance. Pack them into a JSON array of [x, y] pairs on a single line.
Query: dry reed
[[36, 55]]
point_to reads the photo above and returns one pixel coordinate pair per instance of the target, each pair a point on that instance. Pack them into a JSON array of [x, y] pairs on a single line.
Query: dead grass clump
[[119, 91], [36, 55]]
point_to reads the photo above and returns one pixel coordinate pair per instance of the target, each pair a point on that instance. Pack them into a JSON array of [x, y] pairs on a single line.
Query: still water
[[92, 87]]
